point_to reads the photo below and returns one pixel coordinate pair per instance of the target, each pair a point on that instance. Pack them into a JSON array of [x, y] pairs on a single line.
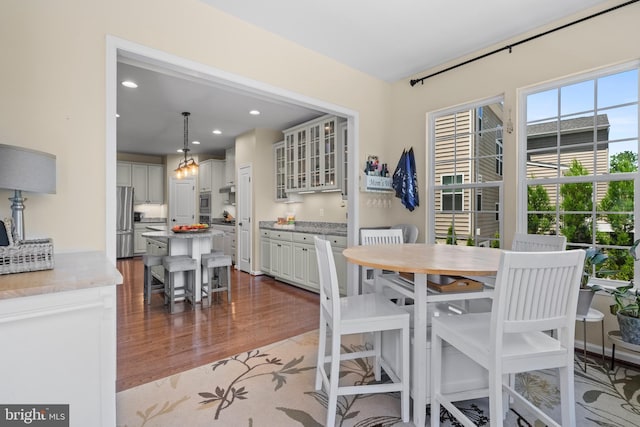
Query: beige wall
[[606, 40], [53, 94]]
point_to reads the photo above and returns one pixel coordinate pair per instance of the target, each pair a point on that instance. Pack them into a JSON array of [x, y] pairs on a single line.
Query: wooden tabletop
[[427, 258]]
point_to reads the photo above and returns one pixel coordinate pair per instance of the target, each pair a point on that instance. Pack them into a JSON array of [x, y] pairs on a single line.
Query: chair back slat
[[328, 277], [537, 291], [387, 236], [538, 243]]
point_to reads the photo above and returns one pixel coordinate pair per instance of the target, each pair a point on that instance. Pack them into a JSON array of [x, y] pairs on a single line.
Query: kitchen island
[[58, 331], [194, 244]]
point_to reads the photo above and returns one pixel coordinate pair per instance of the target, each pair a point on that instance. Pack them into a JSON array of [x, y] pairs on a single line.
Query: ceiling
[[390, 40]]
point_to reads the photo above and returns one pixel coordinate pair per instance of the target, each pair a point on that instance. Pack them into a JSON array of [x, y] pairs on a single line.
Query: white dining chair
[[534, 292], [382, 236], [357, 314], [409, 232]]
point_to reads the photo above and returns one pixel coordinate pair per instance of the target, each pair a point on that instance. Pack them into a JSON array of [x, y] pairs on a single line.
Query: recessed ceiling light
[[195, 142], [179, 150], [254, 112], [217, 131], [129, 84], [117, 115]]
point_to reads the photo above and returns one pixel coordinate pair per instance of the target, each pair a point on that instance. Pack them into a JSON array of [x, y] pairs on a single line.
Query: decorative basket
[[26, 255]]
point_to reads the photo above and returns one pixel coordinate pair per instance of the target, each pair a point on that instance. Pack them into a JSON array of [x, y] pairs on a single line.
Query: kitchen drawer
[[265, 233], [281, 235], [339, 241], [303, 238]]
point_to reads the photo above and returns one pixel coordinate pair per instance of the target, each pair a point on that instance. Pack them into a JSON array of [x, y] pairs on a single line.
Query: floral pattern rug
[[274, 386]]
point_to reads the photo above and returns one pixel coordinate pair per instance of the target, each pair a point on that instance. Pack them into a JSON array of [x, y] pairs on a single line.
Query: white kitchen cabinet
[[148, 183], [281, 255], [139, 242], [157, 247], [230, 166], [123, 174], [217, 180], [204, 176], [291, 257], [280, 176], [305, 264], [265, 251], [313, 155]]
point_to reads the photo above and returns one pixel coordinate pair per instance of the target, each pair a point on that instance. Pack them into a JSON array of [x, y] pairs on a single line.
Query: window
[[463, 174], [580, 156], [451, 199], [499, 154]]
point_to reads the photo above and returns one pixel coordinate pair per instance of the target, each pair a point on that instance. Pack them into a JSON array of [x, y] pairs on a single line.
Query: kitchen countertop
[[164, 231], [311, 227], [162, 220], [72, 271]]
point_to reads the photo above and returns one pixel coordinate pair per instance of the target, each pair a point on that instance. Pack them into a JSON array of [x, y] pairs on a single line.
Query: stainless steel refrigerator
[[124, 222]]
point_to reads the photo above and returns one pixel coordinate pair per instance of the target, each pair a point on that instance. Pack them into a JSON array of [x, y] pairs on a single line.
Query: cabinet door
[[286, 251], [139, 180], [315, 157], [217, 181], [341, 268], [204, 176], [139, 242], [313, 277], [330, 151], [265, 255], [123, 174], [276, 258], [299, 265], [230, 166], [279, 172], [155, 184]]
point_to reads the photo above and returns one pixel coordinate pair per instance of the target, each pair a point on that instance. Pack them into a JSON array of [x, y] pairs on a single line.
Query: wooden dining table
[[422, 260]]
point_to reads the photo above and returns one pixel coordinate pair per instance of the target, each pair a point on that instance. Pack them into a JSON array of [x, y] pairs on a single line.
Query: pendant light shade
[[188, 166]]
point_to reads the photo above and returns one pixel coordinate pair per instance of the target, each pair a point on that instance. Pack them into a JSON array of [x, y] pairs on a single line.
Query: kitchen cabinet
[[148, 183], [204, 175], [279, 174], [265, 251], [291, 257], [123, 174], [157, 247], [139, 242], [281, 254], [230, 166], [313, 155], [305, 264]]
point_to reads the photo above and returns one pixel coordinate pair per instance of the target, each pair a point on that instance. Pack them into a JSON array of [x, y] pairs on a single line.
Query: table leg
[[602, 329], [584, 343], [420, 366], [613, 354]]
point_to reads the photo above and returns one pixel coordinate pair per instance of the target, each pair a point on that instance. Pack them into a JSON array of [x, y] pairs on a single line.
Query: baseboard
[[622, 354]]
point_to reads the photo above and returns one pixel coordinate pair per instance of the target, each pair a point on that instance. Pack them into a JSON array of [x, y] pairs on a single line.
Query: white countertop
[[72, 271]]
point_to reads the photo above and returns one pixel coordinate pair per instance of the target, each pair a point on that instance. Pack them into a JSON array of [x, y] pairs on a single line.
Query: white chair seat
[[369, 312]]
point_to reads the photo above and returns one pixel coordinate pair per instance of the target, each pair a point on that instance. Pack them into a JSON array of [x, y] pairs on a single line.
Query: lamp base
[[17, 213]]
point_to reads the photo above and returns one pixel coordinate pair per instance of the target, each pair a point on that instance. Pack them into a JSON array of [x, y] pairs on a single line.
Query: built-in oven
[[205, 203]]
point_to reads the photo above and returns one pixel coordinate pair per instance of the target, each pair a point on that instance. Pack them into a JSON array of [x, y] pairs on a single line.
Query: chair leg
[[406, 389], [495, 398], [436, 377], [147, 285], [172, 294], [567, 397], [332, 393], [228, 283], [322, 342], [602, 330], [377, 343], [584, 343]]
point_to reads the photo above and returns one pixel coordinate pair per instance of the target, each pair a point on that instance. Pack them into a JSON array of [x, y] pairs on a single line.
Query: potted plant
[[593, 260], [626, 306]]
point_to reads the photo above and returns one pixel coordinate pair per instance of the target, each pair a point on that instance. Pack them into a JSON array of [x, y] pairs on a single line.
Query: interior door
[[244, 197], [182, 201]]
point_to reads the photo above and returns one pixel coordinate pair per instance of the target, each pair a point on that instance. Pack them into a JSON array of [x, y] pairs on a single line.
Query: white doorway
[[182, 201], [245, 220]]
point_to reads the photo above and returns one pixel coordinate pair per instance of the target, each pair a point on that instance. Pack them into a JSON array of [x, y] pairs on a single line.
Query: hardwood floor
[[153, 344]]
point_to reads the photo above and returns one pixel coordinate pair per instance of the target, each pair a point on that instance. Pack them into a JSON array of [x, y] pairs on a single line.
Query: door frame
[[117, 47]]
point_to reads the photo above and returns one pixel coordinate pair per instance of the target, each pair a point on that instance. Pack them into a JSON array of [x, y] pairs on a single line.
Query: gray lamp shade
[[27, 170]]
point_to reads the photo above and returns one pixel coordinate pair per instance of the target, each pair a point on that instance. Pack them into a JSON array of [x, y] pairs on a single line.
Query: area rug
[[274, 386]]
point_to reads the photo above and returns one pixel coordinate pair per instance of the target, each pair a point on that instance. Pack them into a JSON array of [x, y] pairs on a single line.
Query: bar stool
[[592, 316], [176, 264], [214, 263], [149, 288]]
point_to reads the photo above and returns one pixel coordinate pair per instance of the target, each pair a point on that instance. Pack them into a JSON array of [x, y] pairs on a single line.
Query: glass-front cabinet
[[279, 175], [313, 155]]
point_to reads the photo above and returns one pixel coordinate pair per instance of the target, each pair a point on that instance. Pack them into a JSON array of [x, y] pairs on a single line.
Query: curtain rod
[[510, 46]]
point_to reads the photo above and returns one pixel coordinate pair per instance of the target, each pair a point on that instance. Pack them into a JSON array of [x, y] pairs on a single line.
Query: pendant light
[[189, 166]]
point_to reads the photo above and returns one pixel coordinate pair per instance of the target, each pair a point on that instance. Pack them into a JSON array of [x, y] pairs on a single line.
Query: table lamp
[[22, 169]]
